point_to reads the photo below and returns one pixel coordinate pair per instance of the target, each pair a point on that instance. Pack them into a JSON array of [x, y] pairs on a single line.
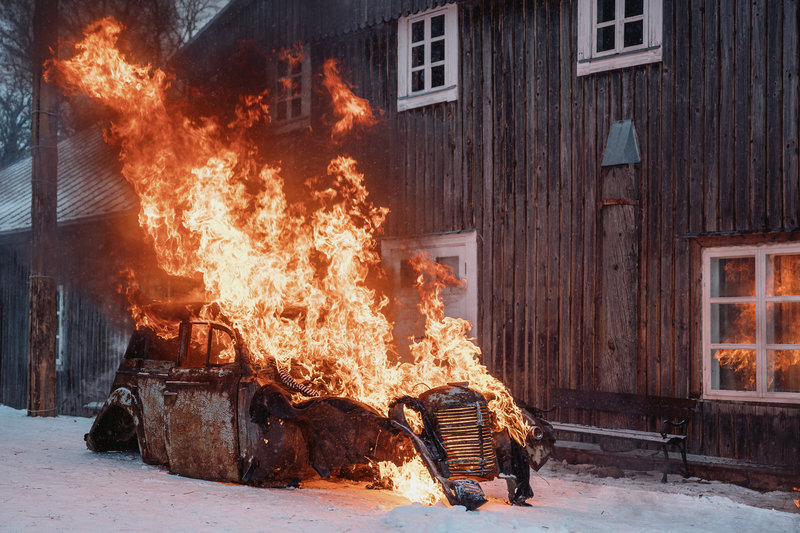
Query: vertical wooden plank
[[666, 176], [520, 204], [711, 124], [727, 73], [640, 118], [758, 109], [562, 59], [577, 173], [487, 178], [553, 207], [531, 114], [775, 115], [741, 119], [506, 204], [696, 124], [791, 112], [541, 140], [589, 282], [682, 269]]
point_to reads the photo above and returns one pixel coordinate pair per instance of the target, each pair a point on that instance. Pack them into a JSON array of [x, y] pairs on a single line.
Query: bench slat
[[621, 433]]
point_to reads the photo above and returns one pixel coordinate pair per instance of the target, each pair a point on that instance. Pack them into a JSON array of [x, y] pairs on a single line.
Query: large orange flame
[[212, 213], [349, 109]]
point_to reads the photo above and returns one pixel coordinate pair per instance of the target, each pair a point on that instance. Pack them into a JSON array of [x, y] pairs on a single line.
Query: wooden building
[[96, 235], [651, 275]]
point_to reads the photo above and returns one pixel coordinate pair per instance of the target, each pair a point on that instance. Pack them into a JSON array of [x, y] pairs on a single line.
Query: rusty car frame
[[195, 403]]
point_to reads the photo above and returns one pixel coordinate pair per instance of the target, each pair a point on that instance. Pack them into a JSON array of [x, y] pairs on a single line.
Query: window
[[751, 322], [209, 344], [292, 104], [427, 58], [618, 33], [457, 250]]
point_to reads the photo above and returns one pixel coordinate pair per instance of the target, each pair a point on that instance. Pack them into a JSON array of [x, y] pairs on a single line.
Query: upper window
[[618, 33], [751, 323], [427, 58], [292, 104]]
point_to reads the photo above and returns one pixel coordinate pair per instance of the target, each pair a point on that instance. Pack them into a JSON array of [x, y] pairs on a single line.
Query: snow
[[49, 481]]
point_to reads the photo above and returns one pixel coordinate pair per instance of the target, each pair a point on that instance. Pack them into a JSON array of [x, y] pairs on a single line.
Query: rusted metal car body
[[195, 403]]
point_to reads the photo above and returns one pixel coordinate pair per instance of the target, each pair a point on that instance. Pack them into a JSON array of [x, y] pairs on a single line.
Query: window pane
[[280, 111], [198, 345], [733, 276], [784, 370], [437, 51], [733, 323], [633, 8], [451, 261], [605, 10], [418, 80], [418, 56], [733, 370], [297, 107], [437, 76], [283, 68], [783, 275], [437, 26], [783, 323], [605, 38], [418, 31], [222, 348], [633, 35]]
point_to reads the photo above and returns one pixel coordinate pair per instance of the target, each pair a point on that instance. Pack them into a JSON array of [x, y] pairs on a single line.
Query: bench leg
[[686, 472], [666, 463]]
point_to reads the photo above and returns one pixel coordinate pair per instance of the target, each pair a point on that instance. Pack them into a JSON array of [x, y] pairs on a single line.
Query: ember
[[290, 279]]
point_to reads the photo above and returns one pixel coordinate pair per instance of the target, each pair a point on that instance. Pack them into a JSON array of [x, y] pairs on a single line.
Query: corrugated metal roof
[[89, 184]]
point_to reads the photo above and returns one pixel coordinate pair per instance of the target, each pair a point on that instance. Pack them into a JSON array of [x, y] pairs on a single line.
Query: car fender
[[111, 430]]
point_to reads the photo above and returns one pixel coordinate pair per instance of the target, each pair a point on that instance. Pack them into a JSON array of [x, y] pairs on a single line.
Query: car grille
[[466, 434]]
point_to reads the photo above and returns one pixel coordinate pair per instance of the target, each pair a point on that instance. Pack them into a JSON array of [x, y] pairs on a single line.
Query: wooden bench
[[673, 413]]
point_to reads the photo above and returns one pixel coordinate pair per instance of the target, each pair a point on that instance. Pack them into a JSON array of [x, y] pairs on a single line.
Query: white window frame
[[301, 121], [61, 331], [591, 61], [464, 244], [759, 253], [408, 99]]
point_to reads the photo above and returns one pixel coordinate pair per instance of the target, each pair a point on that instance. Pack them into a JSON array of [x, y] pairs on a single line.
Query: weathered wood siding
[[517, 157], [93, 343]]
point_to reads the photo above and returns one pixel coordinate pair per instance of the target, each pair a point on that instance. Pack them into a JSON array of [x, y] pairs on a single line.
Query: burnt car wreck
[[196, 403]]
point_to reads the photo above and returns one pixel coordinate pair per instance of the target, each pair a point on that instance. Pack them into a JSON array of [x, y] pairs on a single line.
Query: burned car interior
[[186, 396]]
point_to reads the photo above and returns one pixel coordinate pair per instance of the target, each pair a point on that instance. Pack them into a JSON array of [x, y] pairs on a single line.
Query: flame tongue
[[214, 214]]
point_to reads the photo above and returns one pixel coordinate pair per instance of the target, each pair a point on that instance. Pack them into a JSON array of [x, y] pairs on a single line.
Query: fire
[[742, 362], [412, 481], [291, 278], [349, 108]]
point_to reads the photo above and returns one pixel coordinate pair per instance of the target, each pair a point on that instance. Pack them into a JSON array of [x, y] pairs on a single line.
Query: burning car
[[187, 395]]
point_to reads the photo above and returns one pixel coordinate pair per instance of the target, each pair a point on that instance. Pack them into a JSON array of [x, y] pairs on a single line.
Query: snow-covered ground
[[49, 481]]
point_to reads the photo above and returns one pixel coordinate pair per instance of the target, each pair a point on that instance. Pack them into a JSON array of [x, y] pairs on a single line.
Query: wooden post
[[620, 278], [44, 140]]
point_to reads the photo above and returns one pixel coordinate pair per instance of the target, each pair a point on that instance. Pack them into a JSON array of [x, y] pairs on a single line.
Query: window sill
[[745, 398], [616, 61], [290, 126], [447, 94]]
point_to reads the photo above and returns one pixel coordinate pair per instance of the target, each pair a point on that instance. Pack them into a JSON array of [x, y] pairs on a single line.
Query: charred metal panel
[[151, 382], [200, 406], [328, 434]]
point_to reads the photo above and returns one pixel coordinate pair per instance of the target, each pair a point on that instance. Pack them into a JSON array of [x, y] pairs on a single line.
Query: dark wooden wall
[[95, 334], [517, 158]]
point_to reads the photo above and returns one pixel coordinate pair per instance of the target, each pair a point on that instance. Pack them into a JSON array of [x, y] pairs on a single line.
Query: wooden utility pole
[[44, 144]]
